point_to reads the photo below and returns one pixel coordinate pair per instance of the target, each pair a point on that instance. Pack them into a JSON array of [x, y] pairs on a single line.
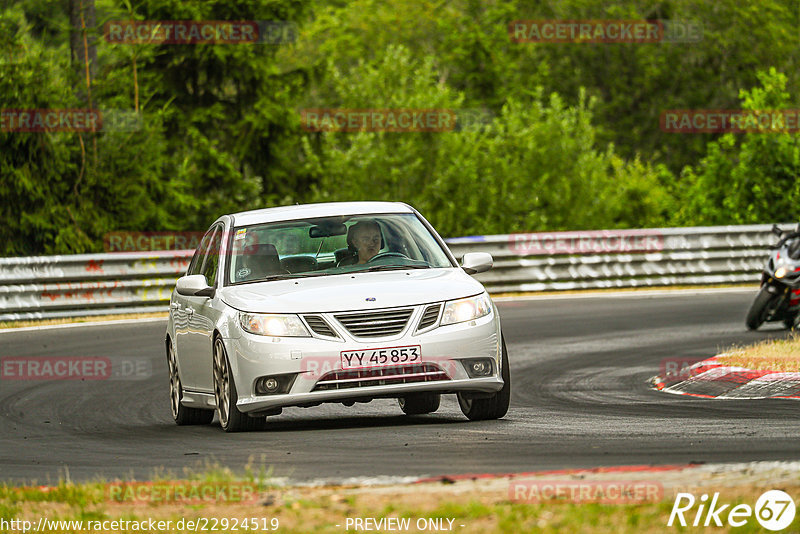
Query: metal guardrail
[[88, 284], [622, 258], [102, 284]]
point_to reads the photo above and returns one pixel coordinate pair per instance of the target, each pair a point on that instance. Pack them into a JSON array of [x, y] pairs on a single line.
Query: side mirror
[[777, 230], [477, 262], [194, 285]]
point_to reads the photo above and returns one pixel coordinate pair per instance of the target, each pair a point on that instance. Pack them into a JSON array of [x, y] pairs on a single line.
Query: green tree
[[747, 178], [535, 166], [632, 83], [212, 137]]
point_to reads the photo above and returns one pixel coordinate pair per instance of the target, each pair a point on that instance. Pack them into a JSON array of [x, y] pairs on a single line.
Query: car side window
[[195, 267], [211, 260]]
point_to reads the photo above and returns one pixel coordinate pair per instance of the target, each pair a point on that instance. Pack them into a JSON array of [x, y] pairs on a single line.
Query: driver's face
[[367, 242]]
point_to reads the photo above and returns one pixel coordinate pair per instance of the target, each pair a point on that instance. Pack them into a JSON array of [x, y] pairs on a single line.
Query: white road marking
[[87, 323], [632, 293]]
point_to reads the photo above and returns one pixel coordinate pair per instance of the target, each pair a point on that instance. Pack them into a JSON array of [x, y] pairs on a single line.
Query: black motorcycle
[[779, 296]]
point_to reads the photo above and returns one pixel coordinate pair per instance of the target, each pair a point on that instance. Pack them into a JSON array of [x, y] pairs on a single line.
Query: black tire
[[790, 319], [493, 407], [759, 309], [419, 403], [183, 415], [230, 418]]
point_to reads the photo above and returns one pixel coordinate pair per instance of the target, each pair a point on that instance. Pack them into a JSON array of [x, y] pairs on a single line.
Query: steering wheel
[[387, 255]]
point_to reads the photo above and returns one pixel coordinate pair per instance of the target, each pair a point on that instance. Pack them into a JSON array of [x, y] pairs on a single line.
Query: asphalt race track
[[580, 399]]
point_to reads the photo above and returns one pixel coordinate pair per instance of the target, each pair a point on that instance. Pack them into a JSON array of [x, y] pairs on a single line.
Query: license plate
[[381, 357]]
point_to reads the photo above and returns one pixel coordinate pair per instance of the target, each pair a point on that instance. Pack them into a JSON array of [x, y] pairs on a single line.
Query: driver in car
[[366, 239]]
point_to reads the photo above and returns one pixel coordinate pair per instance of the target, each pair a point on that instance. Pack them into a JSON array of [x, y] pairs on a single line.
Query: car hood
[[352, 291]]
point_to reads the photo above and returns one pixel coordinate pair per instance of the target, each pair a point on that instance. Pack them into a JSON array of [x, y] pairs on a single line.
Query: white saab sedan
[[341, 302]]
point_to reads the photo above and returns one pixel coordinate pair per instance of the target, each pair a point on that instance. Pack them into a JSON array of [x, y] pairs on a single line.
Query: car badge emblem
[[371, 299]]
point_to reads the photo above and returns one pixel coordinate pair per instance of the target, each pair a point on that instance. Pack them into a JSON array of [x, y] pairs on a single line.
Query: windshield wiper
[[394, 268], [288, 276]]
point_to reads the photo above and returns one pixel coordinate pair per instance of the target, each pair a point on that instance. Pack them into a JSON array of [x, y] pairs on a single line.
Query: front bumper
[[312, 359]]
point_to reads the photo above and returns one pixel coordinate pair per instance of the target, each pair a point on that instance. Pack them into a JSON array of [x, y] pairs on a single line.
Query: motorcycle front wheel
[[764, 302]]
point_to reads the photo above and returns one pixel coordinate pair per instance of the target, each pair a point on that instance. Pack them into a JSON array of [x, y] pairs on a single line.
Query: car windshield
[[332, 245]]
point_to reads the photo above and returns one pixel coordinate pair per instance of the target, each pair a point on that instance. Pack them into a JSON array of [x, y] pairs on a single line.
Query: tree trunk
[[82, 39]]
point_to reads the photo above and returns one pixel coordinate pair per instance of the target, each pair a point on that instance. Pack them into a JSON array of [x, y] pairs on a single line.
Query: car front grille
[[429, 316], [319, 325], [380, 376], [378, 323]]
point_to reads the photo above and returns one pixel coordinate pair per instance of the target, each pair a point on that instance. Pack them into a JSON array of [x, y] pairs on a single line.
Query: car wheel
[[493, 407], [183, 415], [230, 418], [419, 403]]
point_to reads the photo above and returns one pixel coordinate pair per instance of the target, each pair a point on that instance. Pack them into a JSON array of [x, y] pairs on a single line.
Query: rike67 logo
[[774, 510]]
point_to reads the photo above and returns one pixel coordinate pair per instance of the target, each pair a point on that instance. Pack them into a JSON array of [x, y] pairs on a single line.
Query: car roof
[[307, 211]]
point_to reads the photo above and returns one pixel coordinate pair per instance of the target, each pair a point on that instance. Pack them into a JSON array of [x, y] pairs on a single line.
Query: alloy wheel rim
[[221, 383], [174, 384]]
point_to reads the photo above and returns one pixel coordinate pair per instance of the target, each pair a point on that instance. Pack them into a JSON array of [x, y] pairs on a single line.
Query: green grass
[[79, 495], [478, 507], [781, 355]]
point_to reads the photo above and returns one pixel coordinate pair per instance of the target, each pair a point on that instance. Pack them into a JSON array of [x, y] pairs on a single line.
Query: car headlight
[[780, 272], [458, 311], [273, 325]]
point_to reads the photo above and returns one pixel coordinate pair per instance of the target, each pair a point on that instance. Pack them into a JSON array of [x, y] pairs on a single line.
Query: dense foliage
[[570, 140]]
